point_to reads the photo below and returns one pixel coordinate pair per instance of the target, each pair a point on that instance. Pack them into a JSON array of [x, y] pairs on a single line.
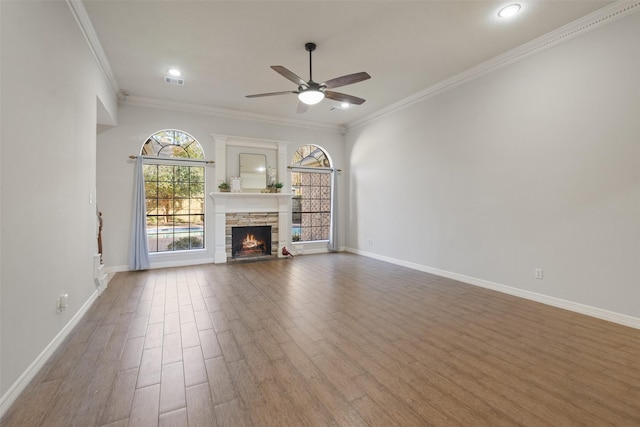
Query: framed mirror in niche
[[253, 171]]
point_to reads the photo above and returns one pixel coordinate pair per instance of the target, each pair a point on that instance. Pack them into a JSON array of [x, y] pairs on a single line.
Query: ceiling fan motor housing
[[311, 85]]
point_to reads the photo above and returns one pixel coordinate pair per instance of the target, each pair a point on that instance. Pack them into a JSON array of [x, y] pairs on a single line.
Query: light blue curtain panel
[[139, 248], [333, 232]]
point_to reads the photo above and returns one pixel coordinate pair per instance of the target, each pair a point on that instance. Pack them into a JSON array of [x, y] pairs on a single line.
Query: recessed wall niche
[[229, 148]]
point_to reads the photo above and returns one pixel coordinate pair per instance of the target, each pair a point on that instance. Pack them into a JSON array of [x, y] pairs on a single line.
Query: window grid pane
[[311, 211], [175, 207]]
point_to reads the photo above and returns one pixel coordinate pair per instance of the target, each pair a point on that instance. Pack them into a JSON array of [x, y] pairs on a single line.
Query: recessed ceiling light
[[345, 105], [174, 72], [509, 11]]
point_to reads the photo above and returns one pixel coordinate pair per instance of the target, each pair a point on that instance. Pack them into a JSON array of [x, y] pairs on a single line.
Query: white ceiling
[[225, 48]]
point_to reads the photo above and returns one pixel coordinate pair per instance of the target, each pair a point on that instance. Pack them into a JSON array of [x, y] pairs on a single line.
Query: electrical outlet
[[61, 303], [538, 273], [370, 242]]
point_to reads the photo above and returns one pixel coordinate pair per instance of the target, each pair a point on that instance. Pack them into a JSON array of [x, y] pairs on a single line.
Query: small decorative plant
[[278, 185], [224, 187]]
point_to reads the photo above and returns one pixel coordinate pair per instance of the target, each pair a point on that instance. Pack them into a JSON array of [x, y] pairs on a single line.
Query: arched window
[[174, 191], [311, 186]]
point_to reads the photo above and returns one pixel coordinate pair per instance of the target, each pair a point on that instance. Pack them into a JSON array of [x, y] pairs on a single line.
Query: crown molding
[[140, 101], [606, 15], [82, 18]]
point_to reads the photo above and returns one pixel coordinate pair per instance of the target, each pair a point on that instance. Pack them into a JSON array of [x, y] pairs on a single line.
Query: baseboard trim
[[160, 264], [116, 269], [185, 263], [621, 319], [18, 387]]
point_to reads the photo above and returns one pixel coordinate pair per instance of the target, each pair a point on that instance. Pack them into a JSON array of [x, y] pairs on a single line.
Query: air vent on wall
[[173, 81]]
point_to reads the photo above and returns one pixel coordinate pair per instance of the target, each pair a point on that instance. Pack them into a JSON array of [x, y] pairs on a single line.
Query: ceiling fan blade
[[343, 97], [259, 95], [302, 108], [346, 80], [288, 75]]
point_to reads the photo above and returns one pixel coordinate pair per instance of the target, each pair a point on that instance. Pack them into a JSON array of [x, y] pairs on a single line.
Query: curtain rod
[[181, 159], [314, 168]]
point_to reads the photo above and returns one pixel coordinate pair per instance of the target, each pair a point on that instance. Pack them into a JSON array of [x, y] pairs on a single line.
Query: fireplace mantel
[[251, 203]]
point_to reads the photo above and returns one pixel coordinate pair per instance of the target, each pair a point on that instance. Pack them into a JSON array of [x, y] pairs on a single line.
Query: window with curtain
[[311, 187], [174, 190]]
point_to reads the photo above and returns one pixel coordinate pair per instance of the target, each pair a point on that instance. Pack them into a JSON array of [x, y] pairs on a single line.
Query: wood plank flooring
[[330, 340]]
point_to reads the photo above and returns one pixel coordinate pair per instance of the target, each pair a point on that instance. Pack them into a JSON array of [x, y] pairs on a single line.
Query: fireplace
[[250, 210], [250, 241]]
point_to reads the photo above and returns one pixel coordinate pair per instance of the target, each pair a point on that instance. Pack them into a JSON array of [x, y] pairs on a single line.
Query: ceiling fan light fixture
[[311, 96]]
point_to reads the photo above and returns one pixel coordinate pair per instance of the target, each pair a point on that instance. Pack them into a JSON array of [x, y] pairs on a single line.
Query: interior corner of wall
[[105, 115]]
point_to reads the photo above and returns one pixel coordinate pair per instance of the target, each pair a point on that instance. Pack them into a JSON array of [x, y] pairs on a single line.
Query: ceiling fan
[[311, 93]]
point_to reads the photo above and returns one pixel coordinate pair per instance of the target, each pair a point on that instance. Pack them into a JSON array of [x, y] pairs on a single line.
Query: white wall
[[135, 125], [50, 90], [536, 165]]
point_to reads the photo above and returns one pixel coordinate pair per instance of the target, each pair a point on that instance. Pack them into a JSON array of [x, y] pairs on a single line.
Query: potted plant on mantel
[[274, 188], [224, 187]]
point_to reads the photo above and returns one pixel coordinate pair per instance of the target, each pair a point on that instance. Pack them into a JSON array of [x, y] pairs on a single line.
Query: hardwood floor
[[330, 340]]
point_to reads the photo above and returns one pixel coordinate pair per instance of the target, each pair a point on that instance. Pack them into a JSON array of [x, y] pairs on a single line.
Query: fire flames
[[250, 242]]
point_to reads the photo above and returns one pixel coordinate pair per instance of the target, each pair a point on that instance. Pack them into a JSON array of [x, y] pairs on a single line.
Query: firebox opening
[[252, 241]]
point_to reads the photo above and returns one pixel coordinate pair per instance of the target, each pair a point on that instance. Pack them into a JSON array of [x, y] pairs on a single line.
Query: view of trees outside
[[172, 143], [174, 193]]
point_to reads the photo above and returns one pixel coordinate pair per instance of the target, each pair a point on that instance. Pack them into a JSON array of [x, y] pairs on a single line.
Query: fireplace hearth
[[250, 241]]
